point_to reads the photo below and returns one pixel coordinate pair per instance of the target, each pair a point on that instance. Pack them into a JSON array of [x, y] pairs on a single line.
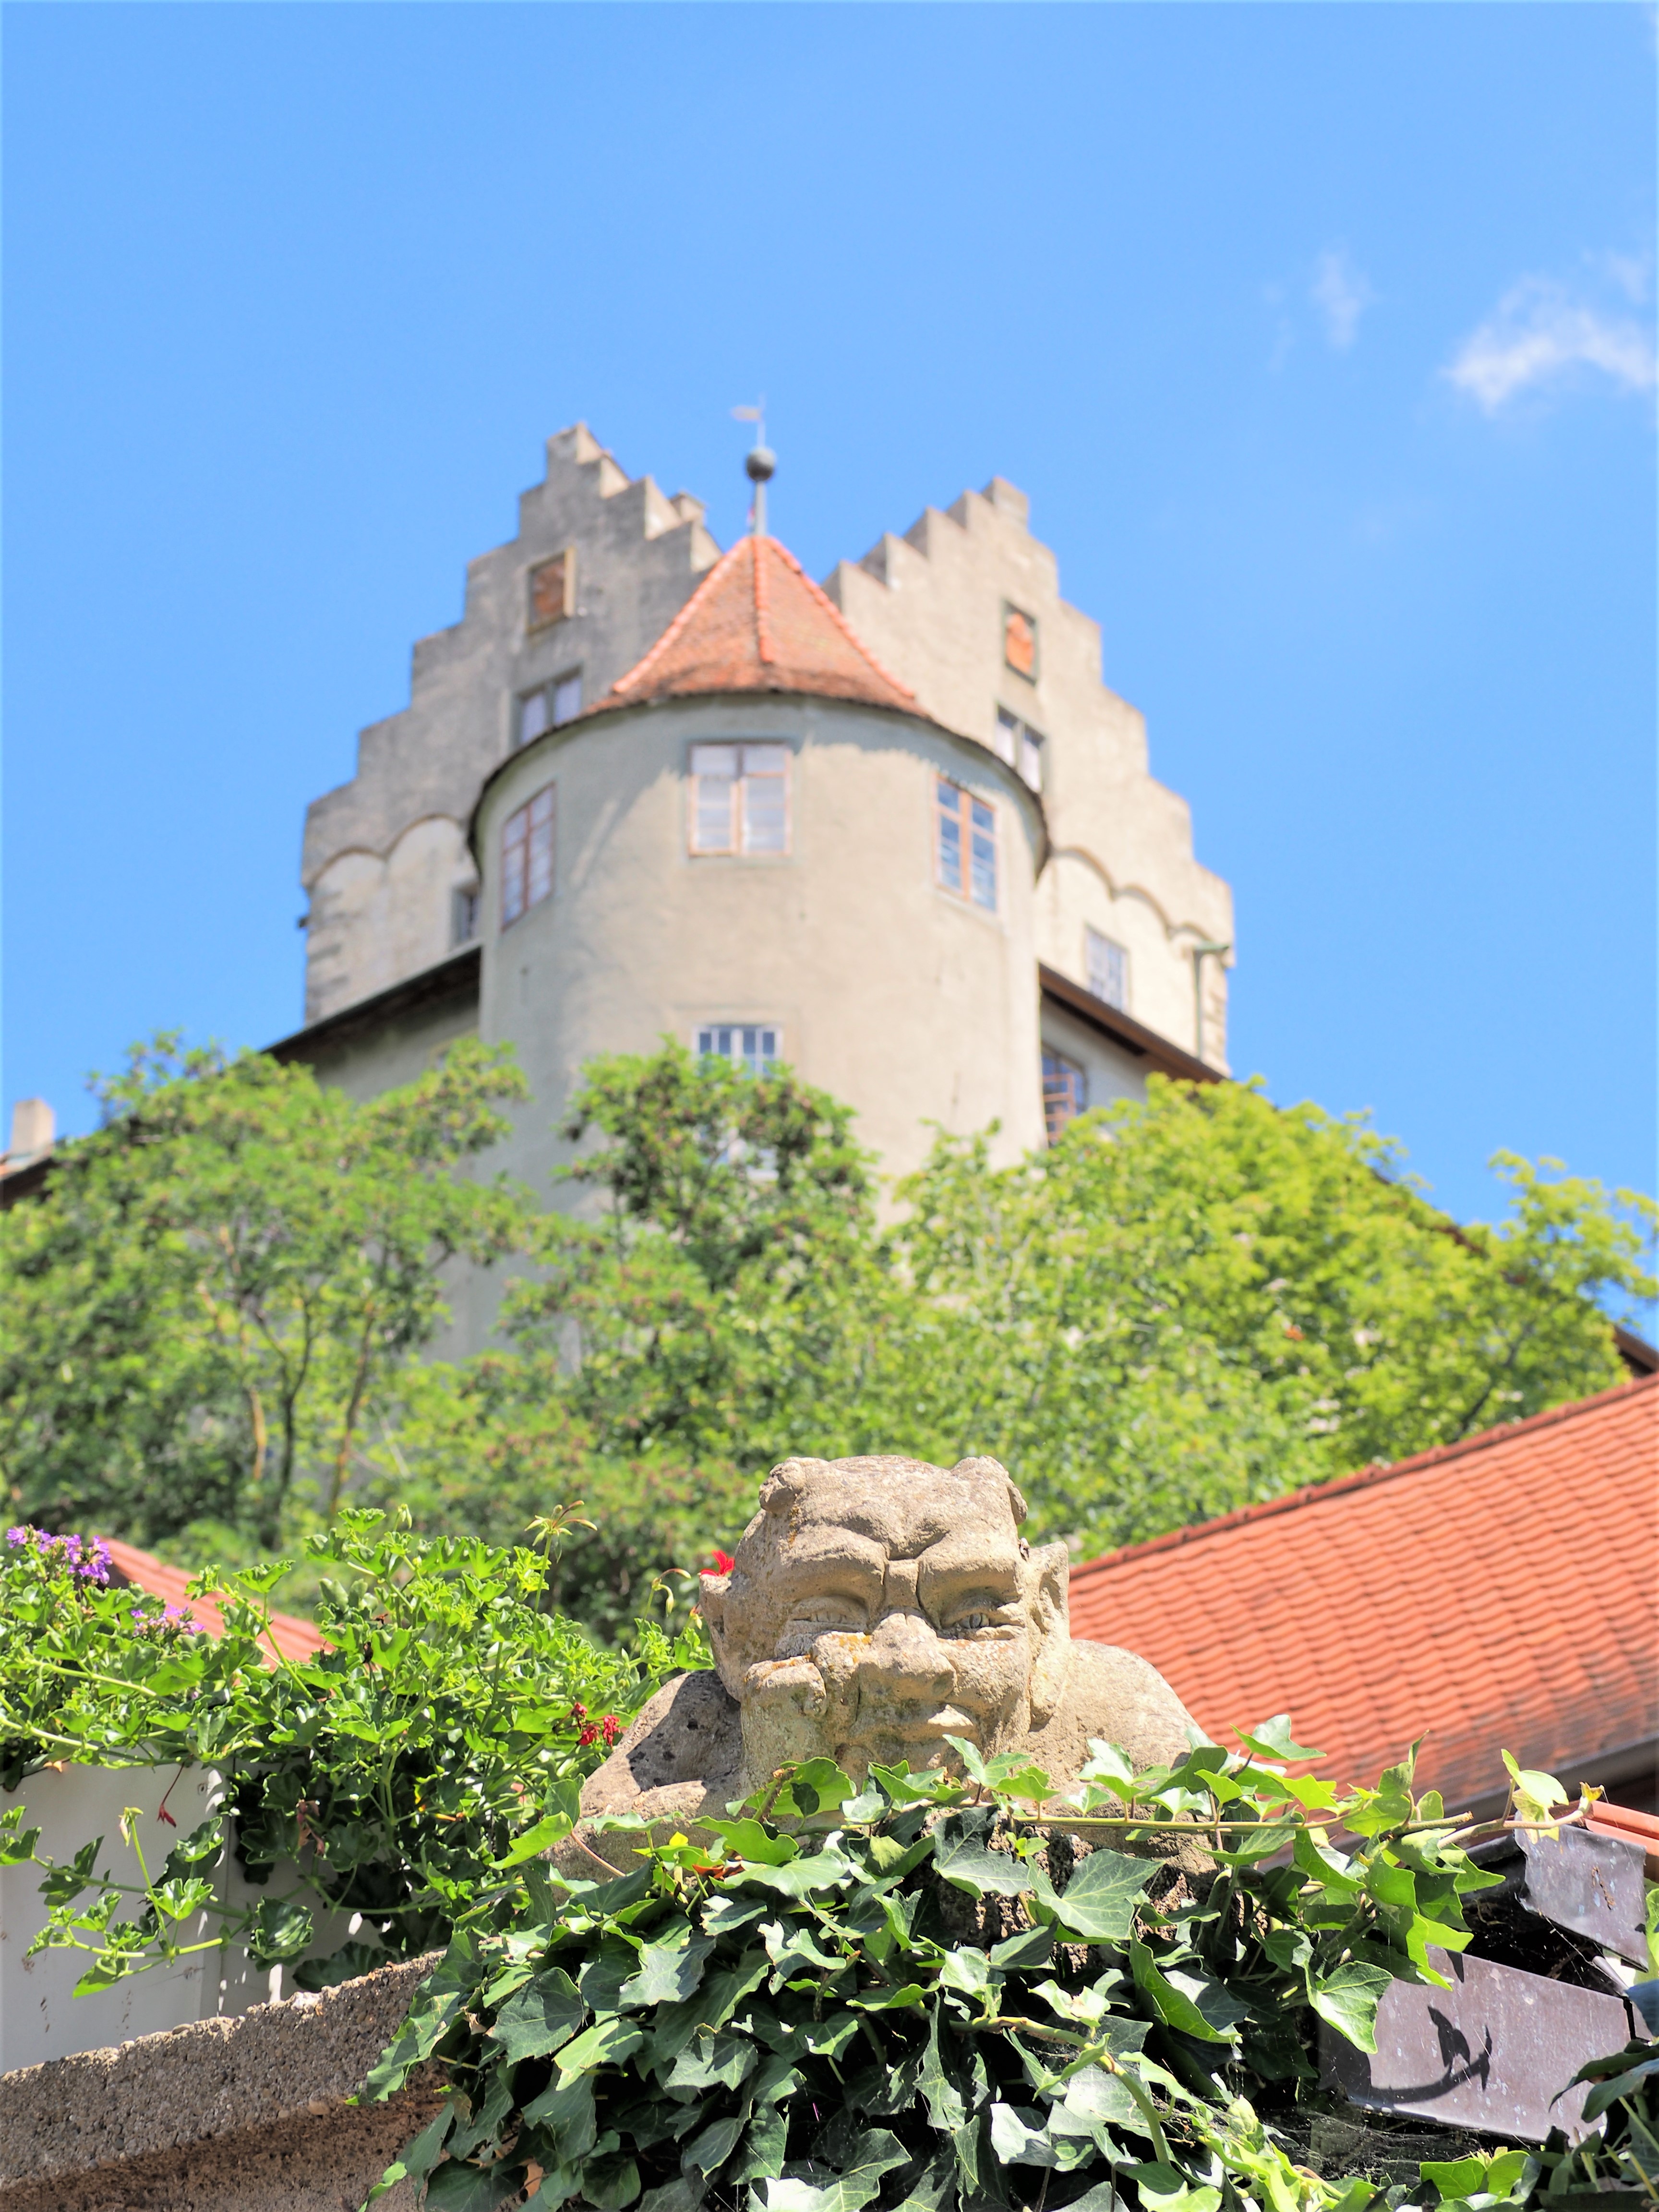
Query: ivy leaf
[[1348, 1997], [761, 2156], [1622, 2085], [611, 2182], [669, 1972], [1272, 1740], [1095, 2098], [534, 2021], [815, 2189], [934, 2188], [1536, 1794], [607, 2043], [713, 2061], [1161, 2189], [747, 1839], [966, 1864], [910, 1996], [565, 2114], [437, 2002], [715, 2144], [458, 2187], [816, 1786], [1019, 2136], [1193, 2003], [945, 2108], [1099, 1901]]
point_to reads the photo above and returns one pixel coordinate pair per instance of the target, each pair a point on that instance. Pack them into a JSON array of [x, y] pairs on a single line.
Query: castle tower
[[896, 831]]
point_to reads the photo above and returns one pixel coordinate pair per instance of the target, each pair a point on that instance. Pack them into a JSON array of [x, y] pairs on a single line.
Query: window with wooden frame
[[1065, 1093], [739, 798], [1107, 964], [527, 856], [965, 844]]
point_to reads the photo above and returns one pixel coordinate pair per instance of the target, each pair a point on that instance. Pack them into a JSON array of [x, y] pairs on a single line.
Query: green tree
[[206, 1310], [1187, 1305], [1202, 1300]]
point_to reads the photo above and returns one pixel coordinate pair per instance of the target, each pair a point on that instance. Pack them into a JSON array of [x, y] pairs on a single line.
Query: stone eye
[[971, 1620]]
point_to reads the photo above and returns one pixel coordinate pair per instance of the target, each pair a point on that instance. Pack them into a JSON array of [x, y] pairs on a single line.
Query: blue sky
[[1320, 338]]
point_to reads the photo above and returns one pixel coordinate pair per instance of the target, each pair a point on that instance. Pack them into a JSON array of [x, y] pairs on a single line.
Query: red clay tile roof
[[758, 622], [1502, 1593], [291, 1638]]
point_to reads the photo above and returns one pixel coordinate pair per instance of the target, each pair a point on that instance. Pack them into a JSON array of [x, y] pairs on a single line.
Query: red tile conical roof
[[758, 622]]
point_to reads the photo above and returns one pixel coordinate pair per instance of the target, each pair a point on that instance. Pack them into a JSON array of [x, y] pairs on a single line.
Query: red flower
[[612, 1727], [578, 1712], [723, 1565], [589, 1735]]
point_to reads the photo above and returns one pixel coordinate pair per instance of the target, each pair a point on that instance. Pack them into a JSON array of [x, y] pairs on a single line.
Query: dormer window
[[463, 915], [548, 706], [739, 798]]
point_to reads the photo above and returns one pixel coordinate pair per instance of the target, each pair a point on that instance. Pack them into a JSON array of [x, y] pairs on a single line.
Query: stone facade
[[933, 605], [385, 853], [945, 661]]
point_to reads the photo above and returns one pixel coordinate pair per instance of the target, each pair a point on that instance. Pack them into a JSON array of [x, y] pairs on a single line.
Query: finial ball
[[761, 463]]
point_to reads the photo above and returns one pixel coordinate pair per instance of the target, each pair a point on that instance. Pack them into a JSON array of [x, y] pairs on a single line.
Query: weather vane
[[760, 461]]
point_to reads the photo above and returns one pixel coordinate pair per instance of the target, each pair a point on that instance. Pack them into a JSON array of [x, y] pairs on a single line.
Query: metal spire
[[760, 463]]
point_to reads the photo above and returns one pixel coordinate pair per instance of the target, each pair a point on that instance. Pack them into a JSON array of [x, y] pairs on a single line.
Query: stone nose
[[907, 1654]]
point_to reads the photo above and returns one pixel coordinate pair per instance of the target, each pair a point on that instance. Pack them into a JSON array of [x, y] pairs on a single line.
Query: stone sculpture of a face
[[878, 1606]]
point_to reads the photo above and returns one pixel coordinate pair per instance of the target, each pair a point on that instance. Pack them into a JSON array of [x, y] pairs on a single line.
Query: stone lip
[[293, 2061]]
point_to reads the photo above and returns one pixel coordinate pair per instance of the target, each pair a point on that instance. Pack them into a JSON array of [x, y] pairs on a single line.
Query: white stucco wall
[[910, 1003]]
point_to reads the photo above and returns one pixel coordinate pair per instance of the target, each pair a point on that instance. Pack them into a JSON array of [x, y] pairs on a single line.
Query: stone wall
[[245, 2115]]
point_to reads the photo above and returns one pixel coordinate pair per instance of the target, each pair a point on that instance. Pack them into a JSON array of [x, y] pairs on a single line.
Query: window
[[739, 798], [967, 847], [527, 856], [463, 915], [553, 589], [1065, 1093], [754, 1048], [1108, 966], [1020, 745], [1019, 642], [546, 709]]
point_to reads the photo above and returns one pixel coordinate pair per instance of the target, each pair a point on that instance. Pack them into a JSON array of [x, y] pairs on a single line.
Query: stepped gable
[[758, 622]]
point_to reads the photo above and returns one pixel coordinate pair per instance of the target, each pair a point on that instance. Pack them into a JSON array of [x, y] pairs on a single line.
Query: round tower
[[758, 843]]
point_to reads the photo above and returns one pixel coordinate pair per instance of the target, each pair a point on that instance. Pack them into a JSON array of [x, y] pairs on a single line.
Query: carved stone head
[[877, 1605]]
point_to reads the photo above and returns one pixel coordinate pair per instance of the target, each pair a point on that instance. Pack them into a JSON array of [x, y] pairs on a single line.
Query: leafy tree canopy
[[1185, 1305], [206, 1308]]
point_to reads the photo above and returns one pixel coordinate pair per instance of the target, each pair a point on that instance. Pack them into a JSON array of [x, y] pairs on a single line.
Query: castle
[[894, 830]]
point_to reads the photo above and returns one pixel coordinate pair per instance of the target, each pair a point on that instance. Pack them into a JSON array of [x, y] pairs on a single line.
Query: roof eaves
[[1320, 1493]]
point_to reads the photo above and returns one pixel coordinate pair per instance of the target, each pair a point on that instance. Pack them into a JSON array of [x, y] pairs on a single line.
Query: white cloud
[[1342, 295], [1540, 336]]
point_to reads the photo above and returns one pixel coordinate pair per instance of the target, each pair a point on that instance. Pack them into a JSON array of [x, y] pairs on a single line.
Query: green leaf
[[1536, 1794], [418, 2161], [1093, 2099], [748, 1839], [565, 2114], [607, 2043], [762, 2156], [459, 2187], [611, 2182], [815, 2189], [1272, 1740], [713, 2061], [1161, 2189], [966, 1864], [1193, 2003], [534, 1841], [669, 1972], [1622, 2085], [1099, 1901], [546, 2013], [1019, 2136], [945, 2109], [281, 1930], [906, 1997], [1348, 1997]]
